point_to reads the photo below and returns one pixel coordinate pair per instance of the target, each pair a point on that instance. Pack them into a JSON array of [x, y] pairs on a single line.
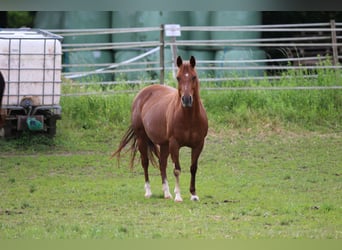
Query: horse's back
[[153, 91], [153, 96]]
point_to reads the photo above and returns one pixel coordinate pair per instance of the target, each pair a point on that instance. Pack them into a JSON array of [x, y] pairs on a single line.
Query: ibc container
[[30, 61]]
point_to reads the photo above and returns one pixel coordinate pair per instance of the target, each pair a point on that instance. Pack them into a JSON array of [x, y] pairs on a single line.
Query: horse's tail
[[131, 138]]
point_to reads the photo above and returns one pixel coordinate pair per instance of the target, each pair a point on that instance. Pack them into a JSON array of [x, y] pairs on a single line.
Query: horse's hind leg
[[143, 146]]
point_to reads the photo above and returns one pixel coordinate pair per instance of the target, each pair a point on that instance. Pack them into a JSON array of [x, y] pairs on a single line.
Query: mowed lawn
[[252, 184]]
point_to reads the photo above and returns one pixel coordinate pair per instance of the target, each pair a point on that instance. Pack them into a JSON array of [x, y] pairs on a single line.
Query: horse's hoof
[[167, 197], [178, 198], [147, 196], [194, 198]]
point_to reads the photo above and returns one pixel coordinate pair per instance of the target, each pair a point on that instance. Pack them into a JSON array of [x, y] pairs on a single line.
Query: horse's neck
[[197, 103]]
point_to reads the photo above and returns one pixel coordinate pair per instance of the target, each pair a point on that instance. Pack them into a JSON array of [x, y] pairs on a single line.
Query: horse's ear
[[192, 61], [179, 61]]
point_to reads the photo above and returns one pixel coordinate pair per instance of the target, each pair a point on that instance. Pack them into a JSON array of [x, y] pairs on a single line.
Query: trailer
[[31, 64]]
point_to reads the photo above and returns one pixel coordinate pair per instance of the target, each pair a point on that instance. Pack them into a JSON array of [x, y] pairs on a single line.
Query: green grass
[[271, 168], [310, 109], [266, 185]]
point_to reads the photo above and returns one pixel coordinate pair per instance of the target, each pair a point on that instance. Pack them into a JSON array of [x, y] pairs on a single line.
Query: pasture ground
[[270, 169], [262, 182]]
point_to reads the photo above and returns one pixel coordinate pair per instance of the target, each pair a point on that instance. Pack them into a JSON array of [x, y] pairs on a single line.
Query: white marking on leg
[[178, 197], [148, 192], [167, 194]]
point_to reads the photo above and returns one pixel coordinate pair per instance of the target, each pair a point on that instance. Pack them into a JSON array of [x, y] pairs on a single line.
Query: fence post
[[174, 54], [334, 42], [161, 54]]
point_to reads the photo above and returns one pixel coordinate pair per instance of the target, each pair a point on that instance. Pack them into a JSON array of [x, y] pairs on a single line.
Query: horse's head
[[187, 81]]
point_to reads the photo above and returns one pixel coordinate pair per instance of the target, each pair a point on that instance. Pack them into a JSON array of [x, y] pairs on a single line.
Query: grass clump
[[308, 109], [306, 105], [92, 112]]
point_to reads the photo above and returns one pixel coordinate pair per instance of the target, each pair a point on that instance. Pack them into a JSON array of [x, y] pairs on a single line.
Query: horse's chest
[[189, 130], [188, 135]]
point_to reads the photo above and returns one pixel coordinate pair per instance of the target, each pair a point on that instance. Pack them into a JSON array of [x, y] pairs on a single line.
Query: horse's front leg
[[174, 150], [195, 153]]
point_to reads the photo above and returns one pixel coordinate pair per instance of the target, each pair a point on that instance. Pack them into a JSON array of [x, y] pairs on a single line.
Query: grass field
[[251, 185], [271, 168]]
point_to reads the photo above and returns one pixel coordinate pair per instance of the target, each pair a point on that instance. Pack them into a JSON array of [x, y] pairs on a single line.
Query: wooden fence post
[[334, 42], [174, 53]]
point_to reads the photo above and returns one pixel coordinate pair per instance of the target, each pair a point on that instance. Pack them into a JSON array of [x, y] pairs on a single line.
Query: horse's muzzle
[[187, 101]]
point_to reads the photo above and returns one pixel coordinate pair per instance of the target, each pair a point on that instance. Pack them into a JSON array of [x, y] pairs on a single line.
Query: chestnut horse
[[164, 119], [2, 88]]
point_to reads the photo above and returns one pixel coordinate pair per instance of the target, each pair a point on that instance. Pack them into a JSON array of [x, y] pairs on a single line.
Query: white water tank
[[30, 61]]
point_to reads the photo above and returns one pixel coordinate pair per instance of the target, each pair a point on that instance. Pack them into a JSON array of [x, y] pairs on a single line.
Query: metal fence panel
[[286, 47]]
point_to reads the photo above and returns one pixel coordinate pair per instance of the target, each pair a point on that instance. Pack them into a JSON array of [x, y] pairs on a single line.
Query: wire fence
[[223, 54]]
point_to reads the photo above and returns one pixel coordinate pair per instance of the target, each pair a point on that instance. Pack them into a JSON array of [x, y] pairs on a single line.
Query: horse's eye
[[178, 78], [194, 78]]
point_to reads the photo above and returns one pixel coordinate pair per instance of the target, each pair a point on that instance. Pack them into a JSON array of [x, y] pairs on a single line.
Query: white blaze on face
[[186, 86]]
